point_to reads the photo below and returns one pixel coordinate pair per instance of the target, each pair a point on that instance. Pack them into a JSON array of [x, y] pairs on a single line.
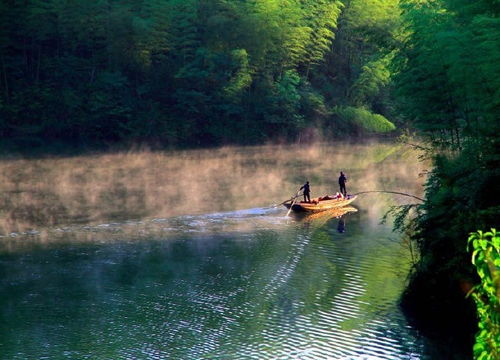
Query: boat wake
[[220, 222]]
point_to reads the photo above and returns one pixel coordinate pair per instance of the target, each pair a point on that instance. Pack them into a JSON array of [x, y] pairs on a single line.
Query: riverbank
[[438, 307]]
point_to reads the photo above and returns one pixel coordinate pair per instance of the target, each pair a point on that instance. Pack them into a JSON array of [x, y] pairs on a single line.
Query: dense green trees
[[448, 82], [356, 73], [191, 72]]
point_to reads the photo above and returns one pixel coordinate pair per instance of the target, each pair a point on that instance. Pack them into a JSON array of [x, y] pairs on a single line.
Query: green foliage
[[401, 215], [356, 72], [375, 75], [188, 72], [363, 119], [446, 74], [486, 258], [241, 76], [447, 70]]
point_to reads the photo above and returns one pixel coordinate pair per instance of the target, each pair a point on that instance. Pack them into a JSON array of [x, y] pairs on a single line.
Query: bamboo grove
[[193, 72]]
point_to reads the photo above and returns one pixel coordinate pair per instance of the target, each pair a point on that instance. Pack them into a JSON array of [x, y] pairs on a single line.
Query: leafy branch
[[486, 295]]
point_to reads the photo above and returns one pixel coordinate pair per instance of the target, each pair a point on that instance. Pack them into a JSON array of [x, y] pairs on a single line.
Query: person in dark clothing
[[307, 192], [342, 181]]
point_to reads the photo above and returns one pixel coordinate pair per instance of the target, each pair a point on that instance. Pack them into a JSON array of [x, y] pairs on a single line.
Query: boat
[[319, 204]]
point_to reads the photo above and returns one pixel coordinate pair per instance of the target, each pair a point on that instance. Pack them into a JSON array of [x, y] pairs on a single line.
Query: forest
[[173, 73], [198, 73], [448, 83]]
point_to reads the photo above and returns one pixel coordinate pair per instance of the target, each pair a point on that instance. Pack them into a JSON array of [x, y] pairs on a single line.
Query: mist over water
[[181, 256], [36, 195]]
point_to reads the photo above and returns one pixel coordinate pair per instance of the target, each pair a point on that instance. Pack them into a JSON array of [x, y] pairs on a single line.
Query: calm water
[[183, 256]]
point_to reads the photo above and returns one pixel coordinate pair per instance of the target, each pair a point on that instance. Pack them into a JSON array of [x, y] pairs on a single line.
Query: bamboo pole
[[389, 192], [293, 202]]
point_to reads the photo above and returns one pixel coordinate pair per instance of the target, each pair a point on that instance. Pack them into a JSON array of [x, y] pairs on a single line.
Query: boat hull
[[317, 205]]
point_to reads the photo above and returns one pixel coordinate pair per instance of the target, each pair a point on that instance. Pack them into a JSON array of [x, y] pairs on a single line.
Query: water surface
[[183, 256]]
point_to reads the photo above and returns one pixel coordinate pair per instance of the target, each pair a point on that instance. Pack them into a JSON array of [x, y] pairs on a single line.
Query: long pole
[[293, 202], [390, 192]]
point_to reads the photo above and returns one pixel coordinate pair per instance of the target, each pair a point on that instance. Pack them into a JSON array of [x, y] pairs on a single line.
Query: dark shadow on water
[[341, 226], [449, 328]]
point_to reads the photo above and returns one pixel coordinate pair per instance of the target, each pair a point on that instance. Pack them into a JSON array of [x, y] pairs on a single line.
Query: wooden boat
[[319, 204]]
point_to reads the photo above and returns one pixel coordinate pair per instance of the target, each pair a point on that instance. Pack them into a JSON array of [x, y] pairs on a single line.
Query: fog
[[145, 185]]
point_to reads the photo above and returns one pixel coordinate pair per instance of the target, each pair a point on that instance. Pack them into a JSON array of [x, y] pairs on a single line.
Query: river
[[185, 255]]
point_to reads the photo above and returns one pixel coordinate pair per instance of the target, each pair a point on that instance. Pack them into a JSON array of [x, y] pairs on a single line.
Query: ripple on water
[[302, 295]]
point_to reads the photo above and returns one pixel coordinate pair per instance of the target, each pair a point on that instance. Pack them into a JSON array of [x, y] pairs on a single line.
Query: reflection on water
[[341, 226], [320, 218], [224, 284]]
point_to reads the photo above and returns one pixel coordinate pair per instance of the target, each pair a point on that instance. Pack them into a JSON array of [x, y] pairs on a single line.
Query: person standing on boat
[[342, 181], [307, 192]]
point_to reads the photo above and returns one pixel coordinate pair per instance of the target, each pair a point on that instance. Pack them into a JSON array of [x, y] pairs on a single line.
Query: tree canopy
[[191, 72], [447, 78]]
